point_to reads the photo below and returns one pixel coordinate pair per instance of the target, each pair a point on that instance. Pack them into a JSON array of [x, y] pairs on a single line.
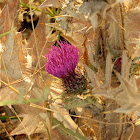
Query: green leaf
[[66, 131]]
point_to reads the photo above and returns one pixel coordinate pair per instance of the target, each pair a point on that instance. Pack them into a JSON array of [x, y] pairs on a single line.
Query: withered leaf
[[8, 17], [51, 3], [131, 90], [11, 55]]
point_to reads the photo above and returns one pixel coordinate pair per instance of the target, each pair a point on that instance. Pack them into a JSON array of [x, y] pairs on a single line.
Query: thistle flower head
[[61, 63], [62, 60]]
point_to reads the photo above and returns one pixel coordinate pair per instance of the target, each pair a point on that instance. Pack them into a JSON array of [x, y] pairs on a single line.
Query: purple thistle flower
[[62, 60], [61, 63]]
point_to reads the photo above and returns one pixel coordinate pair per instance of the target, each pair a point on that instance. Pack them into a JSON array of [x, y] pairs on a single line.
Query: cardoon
[[61, 63]]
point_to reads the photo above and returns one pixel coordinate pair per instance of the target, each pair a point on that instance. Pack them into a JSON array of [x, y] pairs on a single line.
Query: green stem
[[34, 8], [6, 33], [4, 118]]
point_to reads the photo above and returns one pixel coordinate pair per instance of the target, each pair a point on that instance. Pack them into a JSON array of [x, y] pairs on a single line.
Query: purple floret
[[62, 60], [118, 64]]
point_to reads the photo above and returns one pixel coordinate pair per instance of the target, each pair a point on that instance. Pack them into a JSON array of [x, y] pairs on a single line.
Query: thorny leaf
[[106, 90], [118, 94], [131, 90], [102, 88]]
